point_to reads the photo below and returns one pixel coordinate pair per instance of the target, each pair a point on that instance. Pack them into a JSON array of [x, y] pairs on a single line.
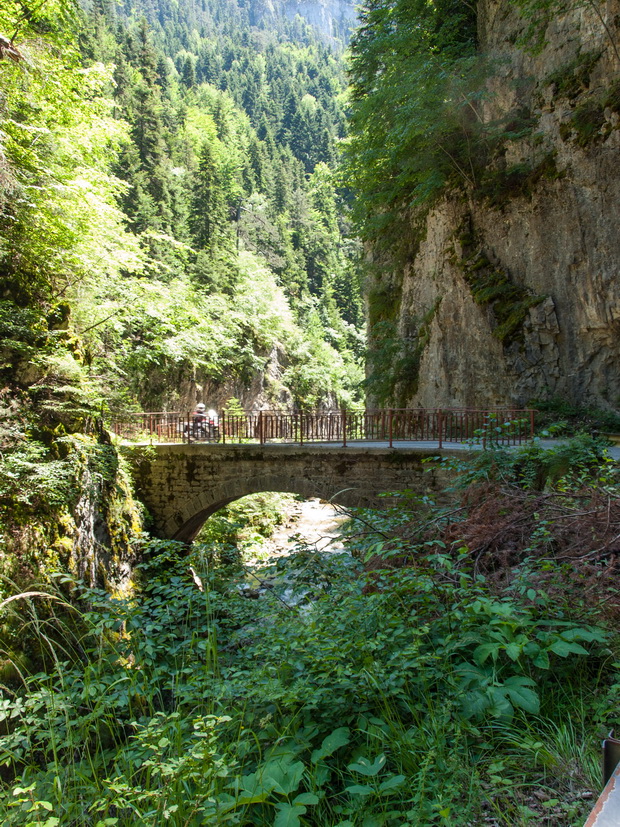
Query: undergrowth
[[561, 418], [458, 669]]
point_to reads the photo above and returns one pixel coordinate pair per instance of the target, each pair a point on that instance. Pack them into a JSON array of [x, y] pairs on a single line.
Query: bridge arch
[[202, 505], [183, 485]]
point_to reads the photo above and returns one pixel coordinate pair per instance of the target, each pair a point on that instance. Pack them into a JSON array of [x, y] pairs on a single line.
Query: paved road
[[362, 445], [429, 445]]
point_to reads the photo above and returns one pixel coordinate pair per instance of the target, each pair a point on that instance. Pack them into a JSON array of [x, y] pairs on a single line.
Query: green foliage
[[191, 701], [415, 694], [410, 112], [245, 522], [492, 287], [500, 185], [153, 333], [123, 194], [56, 193], [568, 466], [585, 123], [574, 78], [557, 417]]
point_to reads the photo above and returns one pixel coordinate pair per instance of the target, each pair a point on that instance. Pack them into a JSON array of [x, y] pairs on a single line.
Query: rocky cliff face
[[332, 18], [513, 293]]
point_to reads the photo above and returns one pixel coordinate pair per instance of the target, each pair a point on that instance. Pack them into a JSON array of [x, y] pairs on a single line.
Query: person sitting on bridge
[[200, 414], [205, 423]]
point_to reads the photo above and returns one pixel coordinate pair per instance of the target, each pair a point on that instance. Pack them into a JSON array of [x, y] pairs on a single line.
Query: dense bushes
[[447, 682]]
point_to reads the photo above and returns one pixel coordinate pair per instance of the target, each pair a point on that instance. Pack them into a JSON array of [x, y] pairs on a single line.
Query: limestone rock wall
[[333, 19], [550, 228]]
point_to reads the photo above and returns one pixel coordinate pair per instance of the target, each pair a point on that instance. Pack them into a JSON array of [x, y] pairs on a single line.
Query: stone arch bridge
[[183, 484]]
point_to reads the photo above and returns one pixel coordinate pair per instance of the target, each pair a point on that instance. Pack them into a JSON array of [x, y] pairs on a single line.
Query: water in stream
[[300, 558]]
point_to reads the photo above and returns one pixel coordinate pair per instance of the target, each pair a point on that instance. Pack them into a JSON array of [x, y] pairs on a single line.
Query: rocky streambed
[[301, 557]]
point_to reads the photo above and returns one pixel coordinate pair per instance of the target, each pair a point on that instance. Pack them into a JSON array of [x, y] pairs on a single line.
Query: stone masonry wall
[[182, 485]]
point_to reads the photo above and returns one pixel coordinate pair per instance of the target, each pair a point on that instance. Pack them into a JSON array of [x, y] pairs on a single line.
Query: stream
[[311, 523], [301, 557]]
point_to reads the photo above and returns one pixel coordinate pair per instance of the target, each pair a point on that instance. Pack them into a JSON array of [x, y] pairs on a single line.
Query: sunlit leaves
[[407, 102], [59, 217]]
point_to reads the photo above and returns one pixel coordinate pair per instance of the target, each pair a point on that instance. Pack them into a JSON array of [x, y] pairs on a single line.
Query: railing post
[[531, 424], [222, 422], [260, 428], [301, 427], [440, 423], [391, 425], [344, 428]]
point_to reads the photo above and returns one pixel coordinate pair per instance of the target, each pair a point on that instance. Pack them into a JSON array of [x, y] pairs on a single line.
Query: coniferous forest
[[207, 201]]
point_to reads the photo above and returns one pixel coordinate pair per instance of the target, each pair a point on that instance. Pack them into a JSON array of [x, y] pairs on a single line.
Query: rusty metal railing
[[606, 811], [502, 426]]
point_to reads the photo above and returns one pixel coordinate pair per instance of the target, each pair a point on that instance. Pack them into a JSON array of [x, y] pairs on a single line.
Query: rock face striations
[[332, 18], [510, 289]]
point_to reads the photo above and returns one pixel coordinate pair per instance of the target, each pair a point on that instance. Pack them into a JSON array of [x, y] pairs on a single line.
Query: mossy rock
[[492, 287], [573, 79], [501, 185], [585, 124]]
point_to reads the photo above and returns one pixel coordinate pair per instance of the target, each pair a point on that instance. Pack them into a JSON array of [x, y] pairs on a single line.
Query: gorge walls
[[509, 291]]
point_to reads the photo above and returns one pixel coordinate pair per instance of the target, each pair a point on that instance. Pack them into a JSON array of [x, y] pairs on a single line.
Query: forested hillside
[[171, 232], [213, 160]]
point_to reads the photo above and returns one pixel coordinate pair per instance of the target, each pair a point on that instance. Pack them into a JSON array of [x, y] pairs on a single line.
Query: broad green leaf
[[257, 783], [336, 739], [513, 650], [359, 789], [364, 767], [391, 783], [474, 703], [564, 648], [519, 680], [541, 660], [500, 706], [583, 634], [524, 698], [288, 815], [249, 798], [371, 820], [284, 775], [306, 798], [474, 675], [482, 652]]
